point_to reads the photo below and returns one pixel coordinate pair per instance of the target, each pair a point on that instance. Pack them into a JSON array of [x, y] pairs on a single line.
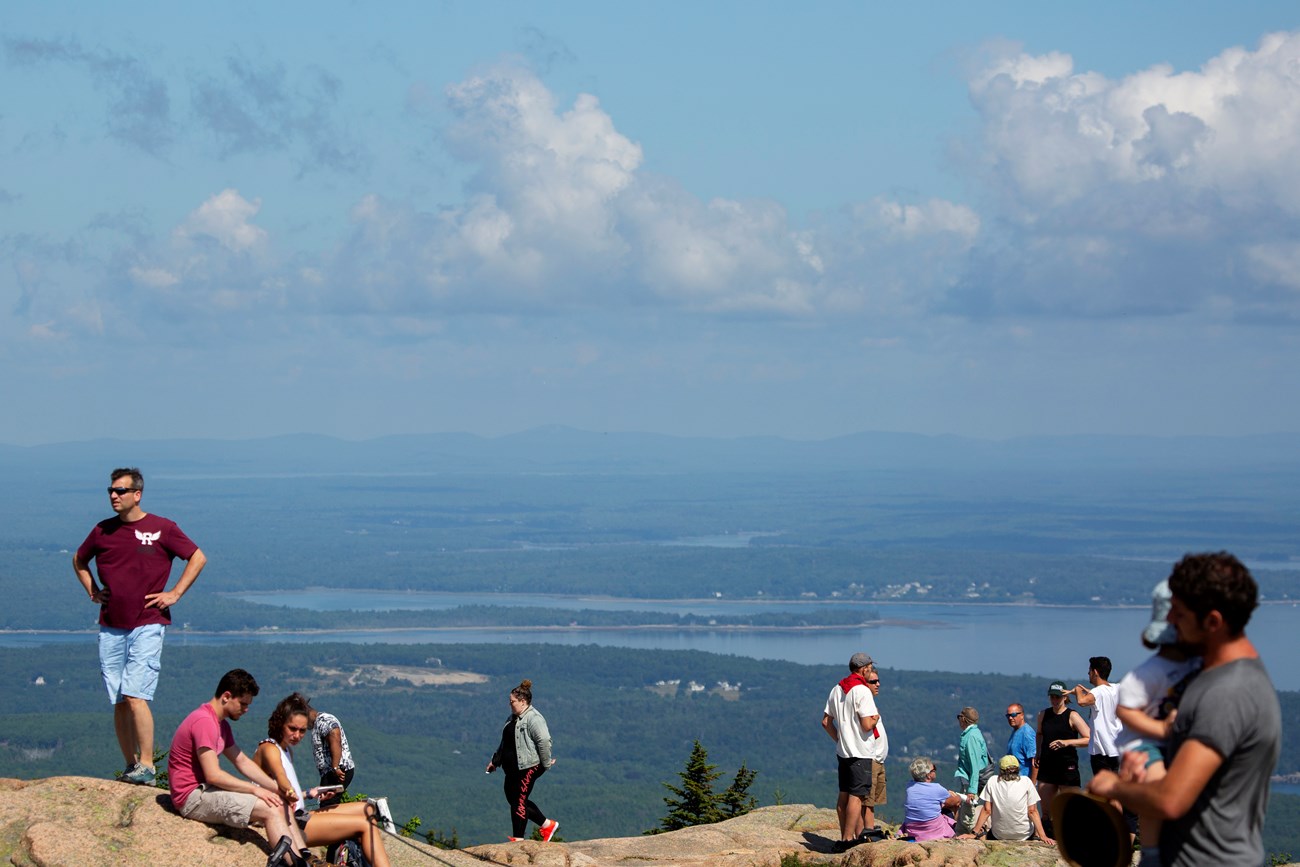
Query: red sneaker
[[548, 829]]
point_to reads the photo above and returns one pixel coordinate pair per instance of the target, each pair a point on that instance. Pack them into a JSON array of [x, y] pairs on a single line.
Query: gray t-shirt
[[1233, 709]]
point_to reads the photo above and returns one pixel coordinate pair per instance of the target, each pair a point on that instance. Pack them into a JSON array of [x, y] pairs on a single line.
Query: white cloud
[[1157, 193], [936, 216], [154, 278], [45, 331], [214, 263], [1277, 263], [543, 206], [560, 213], [1154, 193], [225, 218], [1232, 125]]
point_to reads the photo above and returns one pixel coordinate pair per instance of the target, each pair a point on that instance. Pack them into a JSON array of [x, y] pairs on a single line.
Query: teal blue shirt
[[972, 756]]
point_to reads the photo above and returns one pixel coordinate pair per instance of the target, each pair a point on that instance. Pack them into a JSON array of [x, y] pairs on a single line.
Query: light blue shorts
[[129, 660], [1153, 751]]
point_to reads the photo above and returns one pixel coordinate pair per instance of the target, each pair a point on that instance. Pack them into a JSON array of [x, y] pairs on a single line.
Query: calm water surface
[[1008, 639]]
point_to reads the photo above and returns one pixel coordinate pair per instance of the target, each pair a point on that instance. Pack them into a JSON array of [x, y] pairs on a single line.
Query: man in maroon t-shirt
[[133, 555]]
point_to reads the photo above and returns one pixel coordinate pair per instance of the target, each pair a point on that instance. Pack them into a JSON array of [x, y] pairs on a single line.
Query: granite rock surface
[[66, 821]]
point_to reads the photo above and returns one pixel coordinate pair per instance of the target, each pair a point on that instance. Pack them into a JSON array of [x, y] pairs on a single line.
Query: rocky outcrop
[[66, 821], [766, 836]]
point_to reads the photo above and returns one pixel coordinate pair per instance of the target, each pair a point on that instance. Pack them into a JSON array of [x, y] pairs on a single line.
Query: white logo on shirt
[[147, 538]]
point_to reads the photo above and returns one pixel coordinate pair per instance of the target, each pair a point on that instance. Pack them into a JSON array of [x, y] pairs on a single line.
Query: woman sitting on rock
[[330, 824], [928, 808]]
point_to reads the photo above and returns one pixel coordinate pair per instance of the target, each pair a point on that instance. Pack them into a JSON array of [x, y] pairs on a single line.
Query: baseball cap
[[1160, 630], [1007, 762], [1057, 687], [859, 660]]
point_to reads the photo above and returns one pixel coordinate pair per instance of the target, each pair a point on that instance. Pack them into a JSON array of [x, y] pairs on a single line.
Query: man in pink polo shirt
[[202, 790]]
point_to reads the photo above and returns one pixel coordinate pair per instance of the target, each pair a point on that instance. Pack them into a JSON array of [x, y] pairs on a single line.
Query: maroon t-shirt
[[133, 560]]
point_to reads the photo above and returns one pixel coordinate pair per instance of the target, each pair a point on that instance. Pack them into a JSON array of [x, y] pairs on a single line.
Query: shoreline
[[747, 600], [686, 600], [647, 627]]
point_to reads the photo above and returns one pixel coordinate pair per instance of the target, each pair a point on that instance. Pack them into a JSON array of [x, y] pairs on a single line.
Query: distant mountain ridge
[[558, 449]]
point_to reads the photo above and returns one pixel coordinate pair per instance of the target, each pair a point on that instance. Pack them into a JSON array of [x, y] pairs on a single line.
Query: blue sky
[[703, 219]]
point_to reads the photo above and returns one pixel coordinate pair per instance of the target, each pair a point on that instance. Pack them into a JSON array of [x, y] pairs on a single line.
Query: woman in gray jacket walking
[[524, 755]]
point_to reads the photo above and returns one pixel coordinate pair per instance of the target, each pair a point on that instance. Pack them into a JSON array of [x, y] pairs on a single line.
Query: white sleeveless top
[[286, 759]]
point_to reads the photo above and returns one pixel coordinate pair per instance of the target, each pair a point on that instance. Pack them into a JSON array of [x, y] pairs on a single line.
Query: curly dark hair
[[1216, 582], [294, 703]]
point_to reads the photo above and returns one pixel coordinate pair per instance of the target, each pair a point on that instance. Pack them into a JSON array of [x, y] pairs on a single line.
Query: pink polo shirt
[[200, 729]]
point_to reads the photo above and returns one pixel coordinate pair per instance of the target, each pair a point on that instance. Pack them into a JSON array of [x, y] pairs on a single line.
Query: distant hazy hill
[[566, 450]]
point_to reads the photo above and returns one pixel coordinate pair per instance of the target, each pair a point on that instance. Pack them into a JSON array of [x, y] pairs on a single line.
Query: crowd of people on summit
[[1184, 744]]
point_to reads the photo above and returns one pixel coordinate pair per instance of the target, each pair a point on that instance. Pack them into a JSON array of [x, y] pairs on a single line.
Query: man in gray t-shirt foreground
[[1227, 736]]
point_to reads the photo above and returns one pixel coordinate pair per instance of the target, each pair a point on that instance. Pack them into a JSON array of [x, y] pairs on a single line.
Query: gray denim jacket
[[532, 741]]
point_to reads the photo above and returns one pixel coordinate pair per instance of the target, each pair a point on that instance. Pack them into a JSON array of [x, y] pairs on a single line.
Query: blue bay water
[[1049, 642], [1008, 639]]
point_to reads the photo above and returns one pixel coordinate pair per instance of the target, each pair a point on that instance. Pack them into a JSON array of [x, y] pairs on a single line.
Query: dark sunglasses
[[874, 682], [122, 491], [1013, 715]]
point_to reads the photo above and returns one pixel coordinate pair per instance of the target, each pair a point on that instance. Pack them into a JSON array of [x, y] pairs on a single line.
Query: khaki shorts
[[877, 794], [217, 807]]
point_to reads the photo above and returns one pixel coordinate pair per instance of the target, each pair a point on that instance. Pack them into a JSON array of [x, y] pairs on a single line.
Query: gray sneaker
[[140, 775]]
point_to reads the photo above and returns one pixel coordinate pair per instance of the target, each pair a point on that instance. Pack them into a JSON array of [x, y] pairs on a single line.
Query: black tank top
[[1056, 763]]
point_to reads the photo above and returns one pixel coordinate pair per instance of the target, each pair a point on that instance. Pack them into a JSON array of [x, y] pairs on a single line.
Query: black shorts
[[1059, 767], [856, 777], [1109, 763]]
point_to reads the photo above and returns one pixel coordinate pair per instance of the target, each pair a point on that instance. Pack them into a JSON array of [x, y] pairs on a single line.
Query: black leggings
[[329, 778], [517, 786]]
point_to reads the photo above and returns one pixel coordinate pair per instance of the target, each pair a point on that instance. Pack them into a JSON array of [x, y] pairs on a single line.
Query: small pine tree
[[736, 800], [695, 802], [443, 840]]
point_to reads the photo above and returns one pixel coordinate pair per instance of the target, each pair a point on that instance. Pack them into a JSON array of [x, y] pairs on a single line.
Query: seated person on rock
[[204, 791], [332, 823], [1010, 806], [929, 809]]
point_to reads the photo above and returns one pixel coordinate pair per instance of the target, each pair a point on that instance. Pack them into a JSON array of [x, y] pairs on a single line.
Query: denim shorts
[[1152, 750], [129, 660]]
